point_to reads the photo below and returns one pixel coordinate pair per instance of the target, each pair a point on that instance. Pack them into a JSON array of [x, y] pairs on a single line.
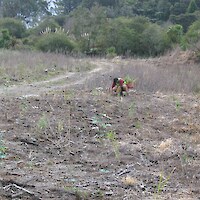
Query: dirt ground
[[70, 139]]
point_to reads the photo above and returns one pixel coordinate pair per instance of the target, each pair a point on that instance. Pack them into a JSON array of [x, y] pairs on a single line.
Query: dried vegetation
[[69, 138]]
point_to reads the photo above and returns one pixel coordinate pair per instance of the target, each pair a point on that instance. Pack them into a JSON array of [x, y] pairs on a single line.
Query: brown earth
[[68, 138]]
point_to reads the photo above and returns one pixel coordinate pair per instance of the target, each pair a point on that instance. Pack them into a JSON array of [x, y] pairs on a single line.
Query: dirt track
[[66, 138]]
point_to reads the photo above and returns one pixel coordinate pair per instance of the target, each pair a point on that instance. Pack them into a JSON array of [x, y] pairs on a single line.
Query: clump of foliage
[[5, 39], [192, 38], [48, 23], [15, 27], [55, 42], [2, 149], [128, 28], [192, 6], [175, 33], [111, 52]]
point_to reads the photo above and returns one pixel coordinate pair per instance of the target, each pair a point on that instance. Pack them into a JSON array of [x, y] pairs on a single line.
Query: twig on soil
[[126, 171], [18, 187], [27, 141], [9, 187], [50, 106], [23, 189]]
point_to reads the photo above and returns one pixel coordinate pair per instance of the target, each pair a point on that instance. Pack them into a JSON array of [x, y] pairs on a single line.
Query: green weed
[[99, 122], [42, 123], [131, 109], [162, 183], [137, 124], [60, 127], [111, 136], [79, 194], [177, 103], [3, 149], [23, 108]]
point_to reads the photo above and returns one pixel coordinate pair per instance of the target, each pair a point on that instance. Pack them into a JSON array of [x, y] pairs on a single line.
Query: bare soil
[[69, 138]]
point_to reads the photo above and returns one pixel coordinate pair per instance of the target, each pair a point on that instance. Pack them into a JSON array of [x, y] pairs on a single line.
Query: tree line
[[100, 27]]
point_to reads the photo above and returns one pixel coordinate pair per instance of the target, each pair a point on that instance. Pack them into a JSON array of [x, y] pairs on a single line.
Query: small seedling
[[79, 194], [177, 103], [42, 123], [3, 149], [162, 183], [138, 124], [111, 136], [60, 127], [23, 108], [131, 109], [67, 95], [98, 121], [98, 194]]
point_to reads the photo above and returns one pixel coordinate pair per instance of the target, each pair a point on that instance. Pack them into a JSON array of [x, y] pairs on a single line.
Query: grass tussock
[[129, 181], [164, 145]]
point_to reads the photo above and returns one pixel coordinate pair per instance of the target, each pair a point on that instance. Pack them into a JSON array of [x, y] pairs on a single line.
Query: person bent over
[[118, 86]]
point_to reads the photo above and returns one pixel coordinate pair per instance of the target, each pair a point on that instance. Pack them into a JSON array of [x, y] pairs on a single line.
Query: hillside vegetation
[[99, 28]]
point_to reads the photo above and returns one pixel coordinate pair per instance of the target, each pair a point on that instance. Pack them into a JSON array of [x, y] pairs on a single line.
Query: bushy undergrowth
[[55, 42]]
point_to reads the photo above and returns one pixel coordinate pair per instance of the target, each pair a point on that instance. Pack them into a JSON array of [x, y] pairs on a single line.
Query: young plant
[[60, 127], [177, 103], [111, 136], [131, 109], [23, 108], [42, 123], [2, 149], [162, 183]]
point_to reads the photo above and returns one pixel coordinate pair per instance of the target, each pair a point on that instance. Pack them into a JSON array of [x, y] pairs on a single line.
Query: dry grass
[[18, 66], [164, 145], [159, 75], [170, 73], [129, 181]]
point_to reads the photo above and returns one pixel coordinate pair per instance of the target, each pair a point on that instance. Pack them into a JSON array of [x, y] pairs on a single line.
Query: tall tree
[[1, 8], [66, 6], [26, 10], [192, 6]]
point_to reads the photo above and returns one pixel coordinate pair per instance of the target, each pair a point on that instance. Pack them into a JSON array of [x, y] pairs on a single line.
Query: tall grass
[[170, 73], [176, 78], [33, 66], [164, 74]]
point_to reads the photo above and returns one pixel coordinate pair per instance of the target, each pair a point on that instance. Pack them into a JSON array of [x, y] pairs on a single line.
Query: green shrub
[[184, 20], [55, 42], [5, 39], [192, 36], [15, 27], [48, 25], [175, 33], [111, 52]]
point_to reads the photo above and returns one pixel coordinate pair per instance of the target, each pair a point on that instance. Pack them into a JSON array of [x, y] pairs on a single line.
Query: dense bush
[[175, 33], [55, 42], [154, 41], [15, 27], [192, 36], [184, 20], [48, 25], [5, 39]]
